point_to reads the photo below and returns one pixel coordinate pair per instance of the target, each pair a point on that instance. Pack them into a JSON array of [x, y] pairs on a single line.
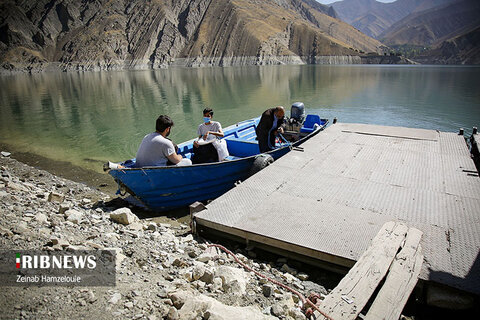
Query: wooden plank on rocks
[[401, 280], [354, 290]]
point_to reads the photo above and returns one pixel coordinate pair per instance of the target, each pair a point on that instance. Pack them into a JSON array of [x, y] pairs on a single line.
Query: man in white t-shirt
[[157, 150], [208, 130]]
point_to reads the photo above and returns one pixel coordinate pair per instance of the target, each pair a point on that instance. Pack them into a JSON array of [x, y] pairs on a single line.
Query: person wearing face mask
[[157, 150], [208, 131], [270, 125]]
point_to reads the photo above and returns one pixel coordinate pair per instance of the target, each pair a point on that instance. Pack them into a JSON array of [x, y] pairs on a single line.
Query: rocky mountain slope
[[462, 49], [103, 35], [373, 17], [432, 26]]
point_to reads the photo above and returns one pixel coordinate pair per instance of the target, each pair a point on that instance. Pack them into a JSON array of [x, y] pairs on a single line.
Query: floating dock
[[328, 202]]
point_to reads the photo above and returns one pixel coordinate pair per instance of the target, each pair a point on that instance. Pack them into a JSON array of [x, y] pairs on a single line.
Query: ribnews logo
[[40, 268], [61, 262]]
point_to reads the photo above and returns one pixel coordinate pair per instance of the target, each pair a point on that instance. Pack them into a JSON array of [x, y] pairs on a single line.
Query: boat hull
[[166, 188]]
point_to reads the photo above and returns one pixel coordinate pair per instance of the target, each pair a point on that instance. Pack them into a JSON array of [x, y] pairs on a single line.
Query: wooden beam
[[401, 280], [354, 290]]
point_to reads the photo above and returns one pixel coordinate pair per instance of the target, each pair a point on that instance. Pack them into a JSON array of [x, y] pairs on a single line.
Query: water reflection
[[80, 117]]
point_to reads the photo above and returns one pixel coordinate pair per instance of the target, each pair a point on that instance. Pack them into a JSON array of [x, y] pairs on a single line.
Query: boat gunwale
[[311, 134]]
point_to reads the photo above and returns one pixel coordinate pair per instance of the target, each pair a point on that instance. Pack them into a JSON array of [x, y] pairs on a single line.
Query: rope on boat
[[289, 144], [305, 301]]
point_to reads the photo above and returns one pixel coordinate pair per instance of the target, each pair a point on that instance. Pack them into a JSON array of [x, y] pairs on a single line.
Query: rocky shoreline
[[163, 272], [199, 62]]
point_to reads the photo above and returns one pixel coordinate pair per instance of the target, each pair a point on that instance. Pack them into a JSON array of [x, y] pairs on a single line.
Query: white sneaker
[[110, 165]]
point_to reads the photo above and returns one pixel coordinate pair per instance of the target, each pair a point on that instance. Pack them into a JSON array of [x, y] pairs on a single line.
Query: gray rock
[[302, 276], [267, 290], [313, 287], [282, 307], [16, 186], [64, 207], [192, 253], [152, 226], [21, 228], [162, 293], [178, 262], [74, 216], [123, 216], [207, 276], [287, 268], [5, 154], [56, 220], [296, 314], [172, 314], [278, 311], [267, 310], [56, 197], [5, 232], [41, 218], [234, 280], [198, 272], [209, 254], [115, 298], [70, 212]]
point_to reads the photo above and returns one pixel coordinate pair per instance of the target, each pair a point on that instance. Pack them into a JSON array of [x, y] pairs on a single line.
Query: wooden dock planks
[[353, 292], [401, 280]]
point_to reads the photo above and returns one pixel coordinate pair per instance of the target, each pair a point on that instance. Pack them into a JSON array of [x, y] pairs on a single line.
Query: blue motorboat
[[170, 187]]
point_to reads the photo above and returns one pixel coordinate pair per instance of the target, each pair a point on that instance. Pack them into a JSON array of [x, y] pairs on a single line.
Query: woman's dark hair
[[208, 111], [163, 122]]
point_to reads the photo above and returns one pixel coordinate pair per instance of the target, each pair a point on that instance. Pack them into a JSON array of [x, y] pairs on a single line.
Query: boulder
[[234, 280], [123, 216], [192, 305]]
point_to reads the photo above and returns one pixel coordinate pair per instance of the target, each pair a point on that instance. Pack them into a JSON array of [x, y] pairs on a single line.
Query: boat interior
[[242, 140]]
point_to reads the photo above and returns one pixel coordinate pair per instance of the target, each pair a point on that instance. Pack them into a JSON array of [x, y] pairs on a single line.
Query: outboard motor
[[297, 116], [297, 112]]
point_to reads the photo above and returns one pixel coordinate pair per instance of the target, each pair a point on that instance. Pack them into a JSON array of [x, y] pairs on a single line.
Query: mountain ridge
[[434, 25], [126, 34], [373, 18]]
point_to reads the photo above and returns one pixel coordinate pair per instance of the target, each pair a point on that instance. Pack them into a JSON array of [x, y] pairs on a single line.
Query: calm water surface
[[87, 118]]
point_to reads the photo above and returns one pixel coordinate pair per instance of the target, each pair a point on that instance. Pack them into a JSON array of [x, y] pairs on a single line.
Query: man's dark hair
[[163, 122], [208, 111]]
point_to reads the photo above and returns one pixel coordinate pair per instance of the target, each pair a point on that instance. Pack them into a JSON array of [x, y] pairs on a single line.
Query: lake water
[[88, 118]]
